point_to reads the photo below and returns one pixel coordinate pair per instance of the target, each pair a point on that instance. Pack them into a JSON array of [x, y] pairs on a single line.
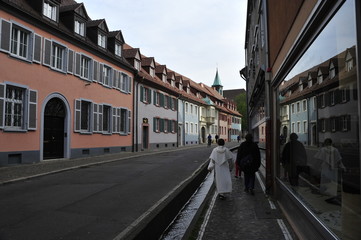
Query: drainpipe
[[135, 127]]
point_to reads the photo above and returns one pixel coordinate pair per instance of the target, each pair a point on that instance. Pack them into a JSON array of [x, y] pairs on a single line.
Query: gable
[[103, 26], [81, 11]]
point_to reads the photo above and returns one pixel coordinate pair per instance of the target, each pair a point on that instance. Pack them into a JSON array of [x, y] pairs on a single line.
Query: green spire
[[217, 80]]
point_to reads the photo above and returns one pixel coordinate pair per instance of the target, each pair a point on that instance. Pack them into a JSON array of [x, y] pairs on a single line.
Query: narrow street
[[95, 202]]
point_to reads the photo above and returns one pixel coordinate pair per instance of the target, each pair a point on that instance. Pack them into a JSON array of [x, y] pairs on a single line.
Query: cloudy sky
[[191, 37]]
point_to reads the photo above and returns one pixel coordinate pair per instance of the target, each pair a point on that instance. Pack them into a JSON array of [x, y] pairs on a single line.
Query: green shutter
[[141, 93], [149, 95]]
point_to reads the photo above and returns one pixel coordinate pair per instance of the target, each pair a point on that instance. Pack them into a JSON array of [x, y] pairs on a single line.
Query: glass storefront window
[[319, 127]]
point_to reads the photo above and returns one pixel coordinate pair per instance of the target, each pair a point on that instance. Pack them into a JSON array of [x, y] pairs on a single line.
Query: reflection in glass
[[319, 125]]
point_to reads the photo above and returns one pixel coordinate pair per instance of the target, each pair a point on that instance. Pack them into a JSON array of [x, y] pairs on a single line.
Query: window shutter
[[161, 125], [5, 36], [37, 48], [30, 49], [77, 115], [348, 94], [65, 60], [95, 117], [100, 117], [70, 61], [111, 73], [114, 123], [47, 52], [161, 100], [154, 125], [77, 64], [101, 76], [141, 93], [2, 103], [91, 66], [176, 126], [32, 101], [149, 95], [129, 84], [115, 78], [154, 97], [96, 71], [118, 119], [129, 125]]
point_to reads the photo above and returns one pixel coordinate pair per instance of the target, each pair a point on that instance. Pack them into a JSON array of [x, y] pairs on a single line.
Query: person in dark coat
[[249, 160], [209, 140], [294, 158]]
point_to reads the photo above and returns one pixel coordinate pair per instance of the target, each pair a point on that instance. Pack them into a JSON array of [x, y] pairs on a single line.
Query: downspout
[[135, 127], [270, 144]]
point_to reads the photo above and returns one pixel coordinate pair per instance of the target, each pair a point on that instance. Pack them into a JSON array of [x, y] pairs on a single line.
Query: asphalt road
[[96, 202]]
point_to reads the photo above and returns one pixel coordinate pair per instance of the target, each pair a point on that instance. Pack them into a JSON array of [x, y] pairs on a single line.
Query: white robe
[[331, 161], [223, 162]]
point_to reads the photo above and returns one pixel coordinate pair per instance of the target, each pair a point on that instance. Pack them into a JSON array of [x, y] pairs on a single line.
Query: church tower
[[217, 84]]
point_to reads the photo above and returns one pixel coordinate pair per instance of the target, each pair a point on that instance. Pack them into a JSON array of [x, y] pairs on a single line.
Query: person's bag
[[246, 161], [210, 165]]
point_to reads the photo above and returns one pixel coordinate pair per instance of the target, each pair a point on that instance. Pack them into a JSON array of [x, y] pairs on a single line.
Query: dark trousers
[[249, 179]]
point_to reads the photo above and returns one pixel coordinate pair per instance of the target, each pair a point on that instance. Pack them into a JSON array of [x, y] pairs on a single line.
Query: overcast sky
[[191, 37]]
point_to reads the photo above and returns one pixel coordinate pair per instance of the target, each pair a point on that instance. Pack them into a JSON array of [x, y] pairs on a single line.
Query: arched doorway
[[203, 132], [54, 129]]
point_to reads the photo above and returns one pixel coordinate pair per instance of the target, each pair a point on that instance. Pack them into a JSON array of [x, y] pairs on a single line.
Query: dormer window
[[79, 28], [152, 72], [50, 10], [164, 78], [118, 50], [101, 40], [349, 62], [137, 65]]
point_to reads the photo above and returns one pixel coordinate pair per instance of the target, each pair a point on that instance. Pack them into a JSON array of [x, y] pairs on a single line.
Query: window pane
[[321, 163], [85, 115]]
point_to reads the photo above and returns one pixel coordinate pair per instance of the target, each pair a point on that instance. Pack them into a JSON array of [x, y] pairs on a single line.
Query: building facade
[[302, 69], [65, 90]]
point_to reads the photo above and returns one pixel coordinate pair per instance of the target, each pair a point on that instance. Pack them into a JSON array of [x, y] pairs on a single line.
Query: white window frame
[[304, 105], [50, 10], [19, 47], [79, 28], [107, 116], [118, 50], [85, 67], [344, 123], [58, 57], [305, 127], [107, 75], [101, 40], [12, 103]]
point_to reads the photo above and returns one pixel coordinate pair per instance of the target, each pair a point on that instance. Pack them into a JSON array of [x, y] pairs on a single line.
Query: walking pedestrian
[[209, 140], [249, 160], [238, 138], [221, 160], [216, 137]]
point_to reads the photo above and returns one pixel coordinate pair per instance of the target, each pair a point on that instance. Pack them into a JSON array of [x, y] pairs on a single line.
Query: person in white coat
[[221, 160]]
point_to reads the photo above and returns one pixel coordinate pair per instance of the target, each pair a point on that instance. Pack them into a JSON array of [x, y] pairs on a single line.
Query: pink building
[[65, 88]]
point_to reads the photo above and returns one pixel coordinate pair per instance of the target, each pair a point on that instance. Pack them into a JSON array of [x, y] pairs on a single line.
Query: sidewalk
[[244, 216]]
